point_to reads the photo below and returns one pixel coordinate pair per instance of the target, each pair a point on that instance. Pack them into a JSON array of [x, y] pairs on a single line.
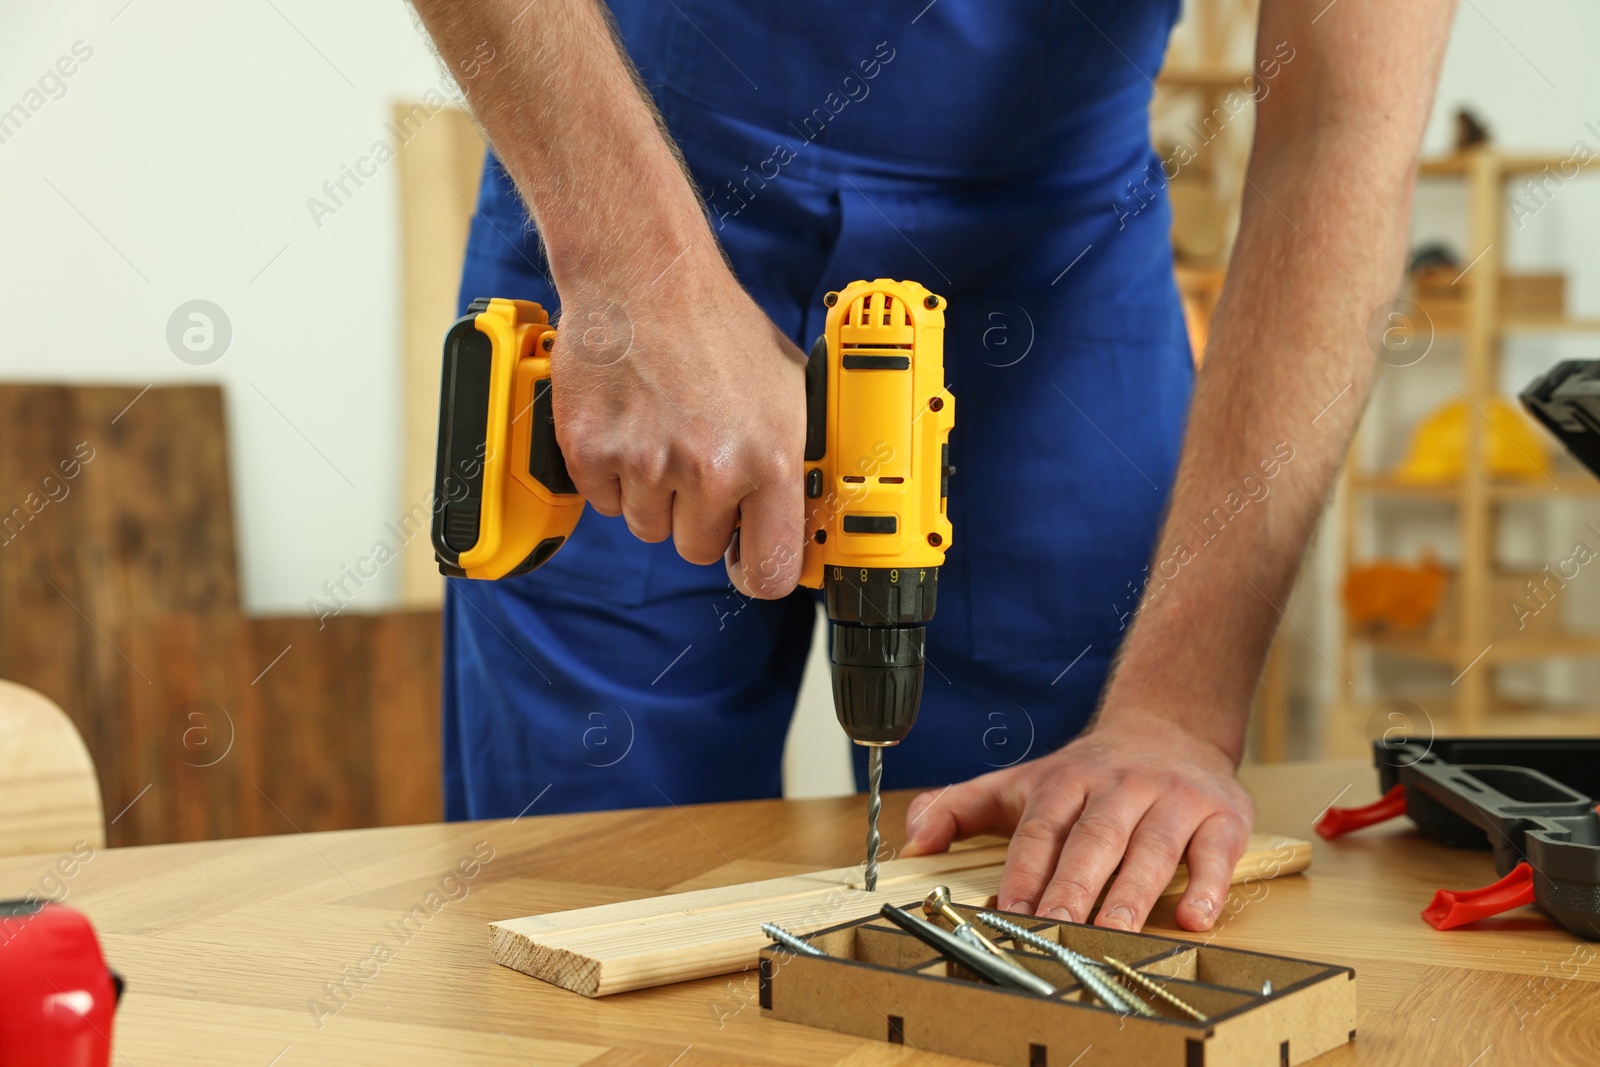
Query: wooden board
[[114, 505], [272, 725], [119, 602], [637, 944]]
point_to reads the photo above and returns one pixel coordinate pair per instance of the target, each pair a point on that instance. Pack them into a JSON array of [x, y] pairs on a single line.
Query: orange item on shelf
[[1403, 596]]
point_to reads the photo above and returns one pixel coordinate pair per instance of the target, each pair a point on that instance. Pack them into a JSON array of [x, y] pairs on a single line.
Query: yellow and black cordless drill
[[877, 475]]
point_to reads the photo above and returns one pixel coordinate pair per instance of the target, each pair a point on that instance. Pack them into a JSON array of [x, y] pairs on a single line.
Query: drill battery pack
[[503, 501]]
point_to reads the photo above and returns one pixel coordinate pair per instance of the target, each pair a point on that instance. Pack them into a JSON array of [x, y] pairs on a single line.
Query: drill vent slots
[[864, 311], [877, 321]]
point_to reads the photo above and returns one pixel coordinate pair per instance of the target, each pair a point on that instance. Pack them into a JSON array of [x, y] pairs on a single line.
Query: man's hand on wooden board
[[1131, 798]]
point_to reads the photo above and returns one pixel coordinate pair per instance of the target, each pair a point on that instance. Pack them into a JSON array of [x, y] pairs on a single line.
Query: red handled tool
[[57, 996], [1336, 822], [1451, 908]]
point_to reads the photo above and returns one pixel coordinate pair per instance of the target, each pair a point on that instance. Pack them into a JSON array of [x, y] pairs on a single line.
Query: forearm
[[1321, 246], [705, 436], [1260, 451], [564, 110]]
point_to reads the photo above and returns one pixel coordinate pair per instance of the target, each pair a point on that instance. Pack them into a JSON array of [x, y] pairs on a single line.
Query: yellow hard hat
[[1438, 453]]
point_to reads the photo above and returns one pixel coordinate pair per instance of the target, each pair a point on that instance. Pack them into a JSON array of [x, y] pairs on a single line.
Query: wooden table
[[233, 950]]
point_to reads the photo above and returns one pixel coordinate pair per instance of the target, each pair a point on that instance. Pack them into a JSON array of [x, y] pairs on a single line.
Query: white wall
[[184, 151], [1529, 71]]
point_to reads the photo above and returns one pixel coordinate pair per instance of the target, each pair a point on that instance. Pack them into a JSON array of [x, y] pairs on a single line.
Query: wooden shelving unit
[[1473, 650]]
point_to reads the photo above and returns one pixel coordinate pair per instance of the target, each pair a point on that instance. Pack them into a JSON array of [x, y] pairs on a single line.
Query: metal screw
[[830, 299], [790, 941], [930, 302], [1081, 967], [936, 404], [549, 342], [938, 903], [1002, 970], [1155, 989], [1032, 939], [935, 540]]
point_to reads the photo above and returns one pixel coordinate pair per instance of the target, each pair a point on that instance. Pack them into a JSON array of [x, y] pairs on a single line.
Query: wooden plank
[[356, 706], [43, 641], [637, 944], [318, 766], [158, 497]]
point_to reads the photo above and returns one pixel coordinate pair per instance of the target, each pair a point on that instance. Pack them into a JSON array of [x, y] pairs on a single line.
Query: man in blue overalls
[[700, 173]]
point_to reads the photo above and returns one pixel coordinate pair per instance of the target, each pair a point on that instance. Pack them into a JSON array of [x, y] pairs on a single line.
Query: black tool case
[[1531, 800], [1528, 799]]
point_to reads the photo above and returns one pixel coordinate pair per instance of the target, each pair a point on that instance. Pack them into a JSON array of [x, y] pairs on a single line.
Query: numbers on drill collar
[[894, 575]]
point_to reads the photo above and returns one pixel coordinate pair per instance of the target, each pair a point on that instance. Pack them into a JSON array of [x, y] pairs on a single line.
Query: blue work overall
[[997, 151]]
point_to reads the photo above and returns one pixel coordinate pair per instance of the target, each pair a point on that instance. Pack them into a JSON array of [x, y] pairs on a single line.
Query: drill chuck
[[877, 681], [878, 640]]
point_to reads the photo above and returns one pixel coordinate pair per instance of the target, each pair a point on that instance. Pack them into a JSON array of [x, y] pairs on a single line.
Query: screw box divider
[[880, 982]]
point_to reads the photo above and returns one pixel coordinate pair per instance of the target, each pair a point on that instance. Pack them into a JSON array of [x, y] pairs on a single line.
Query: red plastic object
[[1336, 822], [57, 997], [1451, 909]]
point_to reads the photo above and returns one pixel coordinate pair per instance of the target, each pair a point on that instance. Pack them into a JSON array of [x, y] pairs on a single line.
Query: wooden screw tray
[[879, 981]]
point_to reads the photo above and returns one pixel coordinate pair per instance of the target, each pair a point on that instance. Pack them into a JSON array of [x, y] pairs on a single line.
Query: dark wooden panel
[[43, 641], [119, 601], [163, 506], [191, 733], [268, 726], [351, 718], [406, 655], [119, 509]]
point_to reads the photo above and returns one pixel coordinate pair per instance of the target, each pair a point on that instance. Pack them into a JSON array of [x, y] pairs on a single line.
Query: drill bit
[[874, 808]]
